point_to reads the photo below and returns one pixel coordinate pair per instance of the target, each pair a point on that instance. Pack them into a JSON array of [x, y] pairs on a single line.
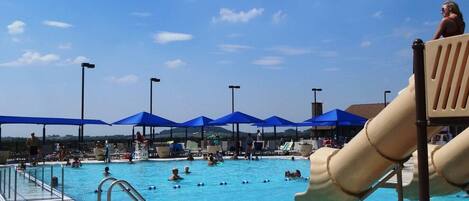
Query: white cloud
[[328, 54], [431, 23], [378, 14], [234, 35], [233, 47], [176, 63], [405, 32], [32, 58], [65, 46], [126, 79], [16, 27], [227, 15], [278, 17], [224, 62], [57, 24], [141, 14], [80, 59], [331, 69], [167, 37], [268, 61], [365, 44], [290, 50]]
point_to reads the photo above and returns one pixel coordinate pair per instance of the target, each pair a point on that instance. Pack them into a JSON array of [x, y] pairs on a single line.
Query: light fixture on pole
[[385, 101], [152, 131], [233, 87], [83, 66], [315, 109]]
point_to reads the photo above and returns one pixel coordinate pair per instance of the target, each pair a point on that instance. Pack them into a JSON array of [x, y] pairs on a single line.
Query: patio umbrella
[[236, 118], [201, 122], [145, 119], [275, 121], [336, 118]]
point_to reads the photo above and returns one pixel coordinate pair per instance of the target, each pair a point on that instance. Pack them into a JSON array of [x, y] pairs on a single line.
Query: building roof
[[368, 110]]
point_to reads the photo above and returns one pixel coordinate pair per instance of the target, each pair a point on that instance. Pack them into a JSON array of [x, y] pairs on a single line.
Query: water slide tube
[[347, 174], [448, 167]]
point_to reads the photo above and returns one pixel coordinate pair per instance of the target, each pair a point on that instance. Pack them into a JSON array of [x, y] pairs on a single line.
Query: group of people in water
[[175, 174]]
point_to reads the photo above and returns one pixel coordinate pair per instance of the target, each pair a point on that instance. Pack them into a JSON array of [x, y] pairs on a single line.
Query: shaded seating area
[[44, 121]]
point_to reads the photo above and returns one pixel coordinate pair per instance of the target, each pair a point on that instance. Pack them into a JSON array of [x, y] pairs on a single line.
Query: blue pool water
[[80, 183]]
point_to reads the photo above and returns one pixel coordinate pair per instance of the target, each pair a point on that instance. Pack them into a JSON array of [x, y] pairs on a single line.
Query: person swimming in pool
[[175, 175], [186, 170], [211, 160], [106, 172]]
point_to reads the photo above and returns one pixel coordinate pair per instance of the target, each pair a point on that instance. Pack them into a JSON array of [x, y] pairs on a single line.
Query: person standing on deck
[[33, 145], [452, 23]]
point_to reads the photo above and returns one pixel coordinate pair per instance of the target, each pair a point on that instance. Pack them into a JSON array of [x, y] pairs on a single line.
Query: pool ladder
[[125, 186]]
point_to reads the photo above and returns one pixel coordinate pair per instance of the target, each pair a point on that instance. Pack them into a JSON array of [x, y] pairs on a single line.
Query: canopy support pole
[[133, 134], [0, 136], [43, 134], [171, 132], [275, 132], [237, 139], [185, 144], [296, 133], [144, 129], [202, 143]]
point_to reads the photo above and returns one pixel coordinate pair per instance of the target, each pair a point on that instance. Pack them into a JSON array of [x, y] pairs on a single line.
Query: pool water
[[80, 183]]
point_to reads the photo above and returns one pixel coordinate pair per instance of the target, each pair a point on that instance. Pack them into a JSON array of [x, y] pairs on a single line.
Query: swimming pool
[[80, 183]]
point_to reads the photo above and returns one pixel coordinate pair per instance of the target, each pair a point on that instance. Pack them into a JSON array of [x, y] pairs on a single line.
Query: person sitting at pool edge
[[219, 157], [175, 175], [106, 172], [76, 162], [190, 157], [186, 170]]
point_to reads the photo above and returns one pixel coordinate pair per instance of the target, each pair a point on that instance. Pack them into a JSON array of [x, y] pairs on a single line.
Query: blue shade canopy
[[146, 119], [338, 118], [236, 118], [197, 122], [48, 121], [275, 121]]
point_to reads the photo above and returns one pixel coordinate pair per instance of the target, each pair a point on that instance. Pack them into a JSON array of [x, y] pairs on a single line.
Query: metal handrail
[[129, 189], [121, 184]]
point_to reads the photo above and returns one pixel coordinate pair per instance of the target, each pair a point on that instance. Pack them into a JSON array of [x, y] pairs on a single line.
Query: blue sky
[[275, 50]]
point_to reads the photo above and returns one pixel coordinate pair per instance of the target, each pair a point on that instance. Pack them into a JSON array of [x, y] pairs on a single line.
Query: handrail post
[[42, 177], [421, 119], [63, 182], [51, 175], [9, 181], [35, 176], [16, 183], [1, 182], [4, 180]]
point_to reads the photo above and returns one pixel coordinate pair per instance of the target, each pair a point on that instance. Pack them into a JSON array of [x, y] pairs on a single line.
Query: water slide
[[350, 173], [448, 167]]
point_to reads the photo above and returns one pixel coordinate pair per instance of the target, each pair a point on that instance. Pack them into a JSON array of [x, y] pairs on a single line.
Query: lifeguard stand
[[442, 91]]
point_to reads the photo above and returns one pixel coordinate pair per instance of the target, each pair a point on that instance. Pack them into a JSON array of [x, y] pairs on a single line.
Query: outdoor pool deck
[[28, 187]]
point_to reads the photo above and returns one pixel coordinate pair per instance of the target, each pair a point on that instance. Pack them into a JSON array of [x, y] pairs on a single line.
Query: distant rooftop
[[368, 110]]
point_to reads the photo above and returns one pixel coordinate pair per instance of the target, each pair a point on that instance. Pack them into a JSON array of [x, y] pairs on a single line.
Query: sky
[[276, 50]]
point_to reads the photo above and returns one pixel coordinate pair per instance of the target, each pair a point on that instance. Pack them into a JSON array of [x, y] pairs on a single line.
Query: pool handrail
[[129, 189], [101, 183]]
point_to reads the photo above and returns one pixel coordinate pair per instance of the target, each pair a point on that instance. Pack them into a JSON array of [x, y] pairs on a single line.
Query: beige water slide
[[448, 167], [349, 173]]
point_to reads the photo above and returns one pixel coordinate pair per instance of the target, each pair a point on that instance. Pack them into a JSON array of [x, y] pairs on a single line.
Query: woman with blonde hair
[[452, 23]]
